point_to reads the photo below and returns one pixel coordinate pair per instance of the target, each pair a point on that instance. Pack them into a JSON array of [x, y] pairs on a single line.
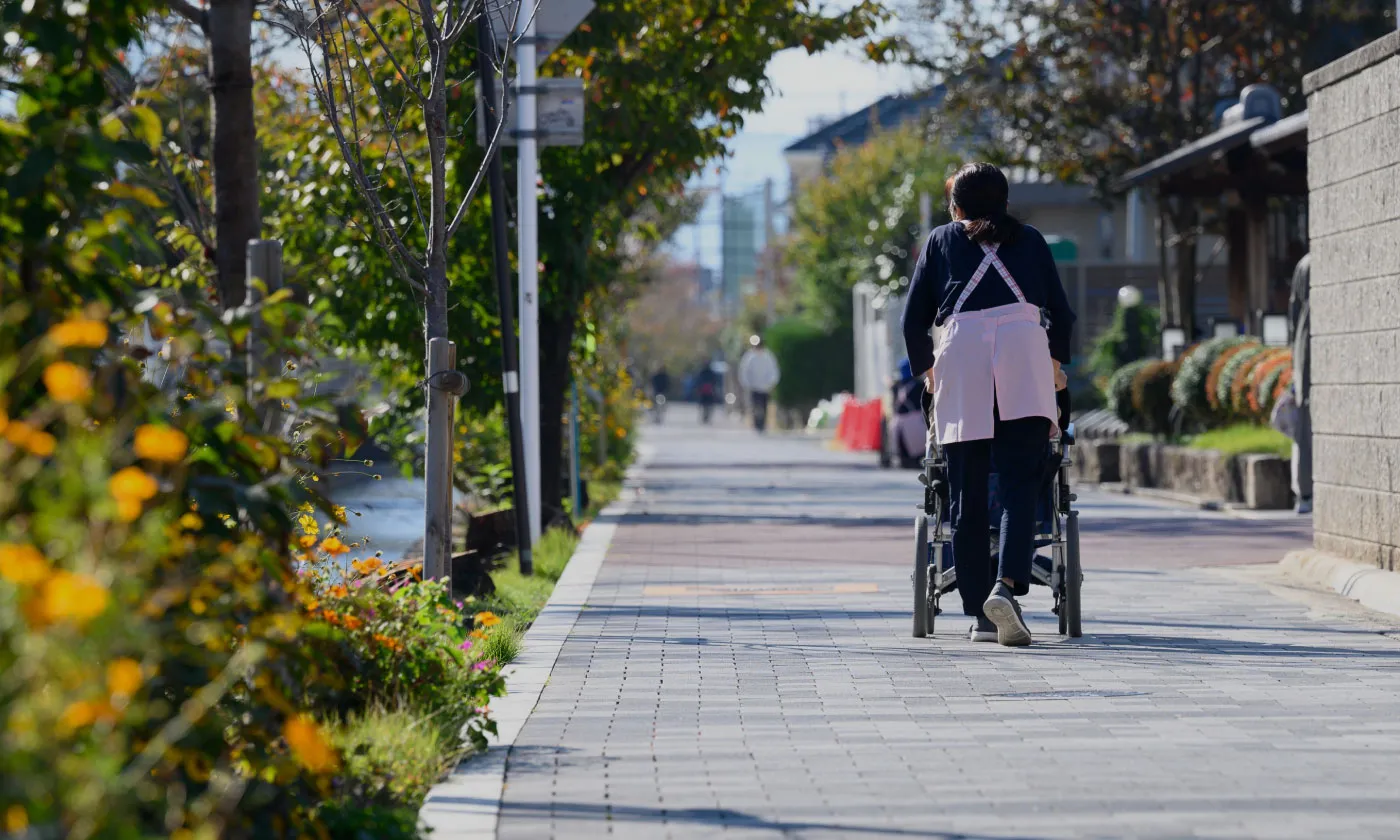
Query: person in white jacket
[[758, 376]]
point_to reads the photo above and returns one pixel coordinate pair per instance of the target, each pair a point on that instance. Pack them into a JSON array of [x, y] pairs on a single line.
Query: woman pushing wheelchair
[[990, 284]]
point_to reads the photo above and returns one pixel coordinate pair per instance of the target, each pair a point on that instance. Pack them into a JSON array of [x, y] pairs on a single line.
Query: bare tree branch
[[190, 12]]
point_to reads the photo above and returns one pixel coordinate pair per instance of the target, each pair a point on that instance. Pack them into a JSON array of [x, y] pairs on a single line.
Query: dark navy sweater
[[949, 260]]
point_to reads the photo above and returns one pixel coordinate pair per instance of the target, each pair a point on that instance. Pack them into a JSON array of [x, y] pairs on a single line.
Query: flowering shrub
[[1189, 391], [168, 672], [1233, 365], [1120, 393]]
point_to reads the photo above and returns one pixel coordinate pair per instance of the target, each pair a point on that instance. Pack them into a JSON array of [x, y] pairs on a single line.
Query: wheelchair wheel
[[921, 579], [1074, 579]]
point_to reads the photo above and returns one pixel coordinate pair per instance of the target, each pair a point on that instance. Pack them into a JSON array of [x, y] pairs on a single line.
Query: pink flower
[[466, 645], [484, 664]]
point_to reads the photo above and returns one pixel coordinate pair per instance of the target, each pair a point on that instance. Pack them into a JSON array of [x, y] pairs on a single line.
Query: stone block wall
[[1354, 227]]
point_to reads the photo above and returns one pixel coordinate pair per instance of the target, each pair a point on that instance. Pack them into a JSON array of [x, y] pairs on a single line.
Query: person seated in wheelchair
[[990, 284]]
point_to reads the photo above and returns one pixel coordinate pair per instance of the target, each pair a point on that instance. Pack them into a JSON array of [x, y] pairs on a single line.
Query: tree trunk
[[237, 217], [437, 470], [556, 340]]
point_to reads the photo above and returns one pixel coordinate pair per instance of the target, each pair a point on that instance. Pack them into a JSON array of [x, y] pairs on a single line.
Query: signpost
[[559, 107]]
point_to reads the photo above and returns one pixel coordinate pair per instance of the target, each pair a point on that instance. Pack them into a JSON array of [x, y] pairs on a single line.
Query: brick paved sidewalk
[[744, 669]]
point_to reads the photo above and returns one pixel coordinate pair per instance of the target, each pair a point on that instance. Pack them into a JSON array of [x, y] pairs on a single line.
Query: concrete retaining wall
[[1354, 227], [1259, 482]]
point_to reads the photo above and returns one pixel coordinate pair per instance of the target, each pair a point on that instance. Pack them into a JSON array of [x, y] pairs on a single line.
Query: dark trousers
[[1017, 454], [758, 403]]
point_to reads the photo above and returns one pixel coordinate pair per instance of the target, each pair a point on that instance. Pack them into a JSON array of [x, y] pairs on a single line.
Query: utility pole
[[770, 273], [501, 264], [528, 251]]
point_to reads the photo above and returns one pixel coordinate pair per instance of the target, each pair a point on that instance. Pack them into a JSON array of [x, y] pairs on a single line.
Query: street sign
[[559, 118], [554, 21]]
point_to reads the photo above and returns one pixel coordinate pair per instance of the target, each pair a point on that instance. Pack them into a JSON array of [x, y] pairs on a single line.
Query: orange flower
[[83, 713], [479, 635], [66, 382], [306, 540], [130, 487], [339, 591], [353, 623], [487, 619], [132, 483], [27, 437], [79, 332], [309, 745], [333, 546], [367, 566], [22, 564], [124, 677], [67, 596], [161, 443]]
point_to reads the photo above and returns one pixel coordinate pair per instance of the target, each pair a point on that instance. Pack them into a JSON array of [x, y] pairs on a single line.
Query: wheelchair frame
[[932, 578]]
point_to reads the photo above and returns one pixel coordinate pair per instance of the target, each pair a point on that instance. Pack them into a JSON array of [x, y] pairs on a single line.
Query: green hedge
[[1120, 393], [814, 363], [1189, 389]]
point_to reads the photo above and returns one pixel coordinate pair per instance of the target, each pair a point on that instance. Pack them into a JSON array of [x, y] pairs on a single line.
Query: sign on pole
[[554, 21], [558, 114]]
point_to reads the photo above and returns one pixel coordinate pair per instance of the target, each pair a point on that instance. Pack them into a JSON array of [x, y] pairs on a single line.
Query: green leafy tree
[[860, 223], [1086, 91]]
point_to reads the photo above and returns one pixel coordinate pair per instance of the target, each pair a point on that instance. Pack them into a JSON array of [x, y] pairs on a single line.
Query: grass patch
[[1245, 439], [393, 756], [518, 599]]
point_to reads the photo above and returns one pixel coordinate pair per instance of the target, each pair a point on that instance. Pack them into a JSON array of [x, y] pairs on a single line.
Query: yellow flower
[[308, 524], [22, 564], [67, 596], [306, 540], [487, 619], [124, 677], [333, 546], [66, 382], [16, 819], [79, 332], [338, 511], [191, 521], [309, 745], [161, 443], [23, 435], [479, 635]]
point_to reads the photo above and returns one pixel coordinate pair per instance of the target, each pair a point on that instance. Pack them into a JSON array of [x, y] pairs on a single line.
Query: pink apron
[[992, 356]]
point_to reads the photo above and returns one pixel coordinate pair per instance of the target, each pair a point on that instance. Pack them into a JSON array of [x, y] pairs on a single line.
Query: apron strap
[[991, 260], [991, 252]]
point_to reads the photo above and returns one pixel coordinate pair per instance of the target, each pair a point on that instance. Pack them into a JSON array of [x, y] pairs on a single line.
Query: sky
[[805, 88]]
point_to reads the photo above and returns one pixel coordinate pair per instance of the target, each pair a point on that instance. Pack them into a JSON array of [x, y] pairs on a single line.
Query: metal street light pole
[[528, 251]]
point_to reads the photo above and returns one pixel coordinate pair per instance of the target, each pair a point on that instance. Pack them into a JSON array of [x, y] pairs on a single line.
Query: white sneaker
[[982, 630]]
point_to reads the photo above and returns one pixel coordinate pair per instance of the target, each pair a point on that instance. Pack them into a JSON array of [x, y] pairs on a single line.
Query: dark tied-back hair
[[980, 191]]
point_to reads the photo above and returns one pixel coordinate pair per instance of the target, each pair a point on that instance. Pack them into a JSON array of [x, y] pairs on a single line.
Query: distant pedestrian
[[1298, 311], [758, 376], [660, 389], [707, 390]]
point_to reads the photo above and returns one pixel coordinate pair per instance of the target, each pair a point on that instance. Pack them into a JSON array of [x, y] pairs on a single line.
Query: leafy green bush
[[1132, 336], [1152, 398], [814, 363], [1120, 393], [1189, 389]]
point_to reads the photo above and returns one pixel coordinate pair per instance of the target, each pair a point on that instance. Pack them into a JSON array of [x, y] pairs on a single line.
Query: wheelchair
[[1057, 528]]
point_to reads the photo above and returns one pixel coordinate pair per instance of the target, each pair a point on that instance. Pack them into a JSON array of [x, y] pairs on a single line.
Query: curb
[[467, 804], [1374, 588]]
